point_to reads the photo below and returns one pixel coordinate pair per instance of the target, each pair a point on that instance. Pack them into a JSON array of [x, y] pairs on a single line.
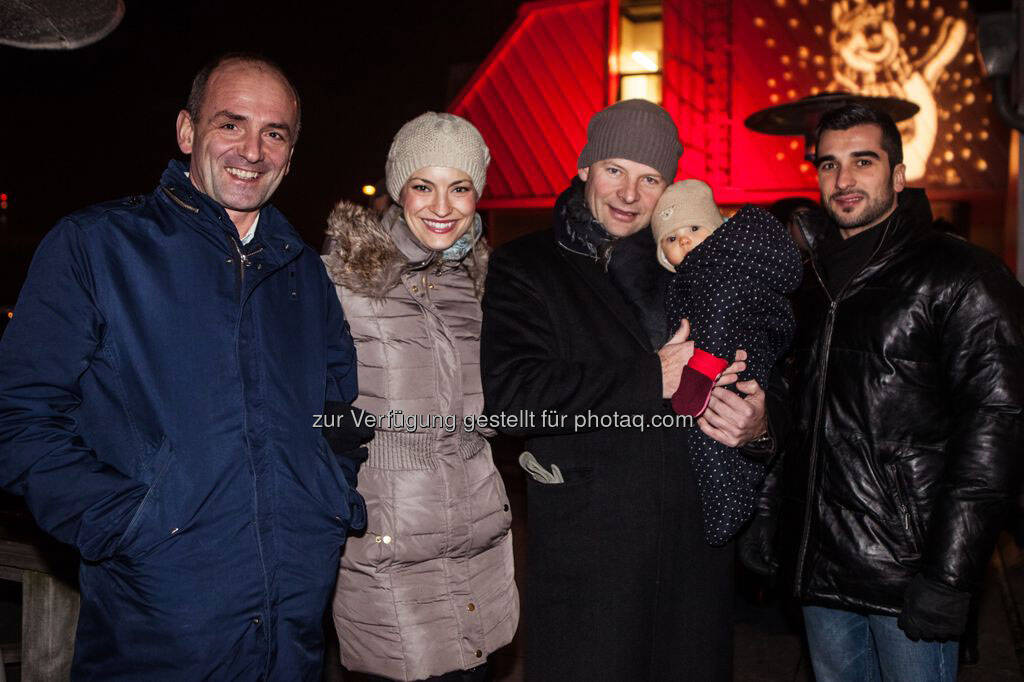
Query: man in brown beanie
[[622, 585]]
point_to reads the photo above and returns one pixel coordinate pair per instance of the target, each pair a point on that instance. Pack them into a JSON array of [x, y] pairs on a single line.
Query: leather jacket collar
[[911, 220]]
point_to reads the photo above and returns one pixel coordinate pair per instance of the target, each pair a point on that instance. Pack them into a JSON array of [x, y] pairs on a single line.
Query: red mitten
[[696, 383]]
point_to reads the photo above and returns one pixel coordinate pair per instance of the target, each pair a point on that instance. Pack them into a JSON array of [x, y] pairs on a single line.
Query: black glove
[[757, 545], [347, 436], [933, 610]]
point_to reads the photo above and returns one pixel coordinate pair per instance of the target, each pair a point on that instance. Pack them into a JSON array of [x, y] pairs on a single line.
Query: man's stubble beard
[[872, 212]]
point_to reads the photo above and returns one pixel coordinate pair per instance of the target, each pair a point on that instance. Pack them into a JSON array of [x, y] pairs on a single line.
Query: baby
[[731, 282]]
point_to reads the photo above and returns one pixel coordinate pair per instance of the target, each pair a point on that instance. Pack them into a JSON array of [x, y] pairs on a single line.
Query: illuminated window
[[640, 42]]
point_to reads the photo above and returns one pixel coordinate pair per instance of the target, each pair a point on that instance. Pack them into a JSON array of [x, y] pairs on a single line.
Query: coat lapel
[[597, 280]]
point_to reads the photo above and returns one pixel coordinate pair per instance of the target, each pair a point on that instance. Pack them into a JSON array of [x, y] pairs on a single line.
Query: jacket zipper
[[826, 345], [813, 464], [244, 261]]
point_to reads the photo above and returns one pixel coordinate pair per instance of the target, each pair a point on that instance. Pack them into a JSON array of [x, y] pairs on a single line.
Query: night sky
[[94, 124]]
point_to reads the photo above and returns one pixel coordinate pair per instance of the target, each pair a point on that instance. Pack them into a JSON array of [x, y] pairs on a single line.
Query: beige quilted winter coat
[[429, 588]]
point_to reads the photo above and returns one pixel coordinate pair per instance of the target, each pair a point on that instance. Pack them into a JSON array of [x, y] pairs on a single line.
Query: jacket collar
[[276, 237], [370, 254], [176, 186], [414, 253], [911, 221]]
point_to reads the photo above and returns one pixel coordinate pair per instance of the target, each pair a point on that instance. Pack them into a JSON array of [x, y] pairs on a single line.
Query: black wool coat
[[620, 583]]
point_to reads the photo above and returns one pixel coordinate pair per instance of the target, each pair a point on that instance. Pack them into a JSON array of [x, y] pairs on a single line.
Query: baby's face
[[678, 245]]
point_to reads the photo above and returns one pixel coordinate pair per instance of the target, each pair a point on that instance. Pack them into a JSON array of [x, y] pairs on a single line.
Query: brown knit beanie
[[689, 202], [635, 130], [433, 139]]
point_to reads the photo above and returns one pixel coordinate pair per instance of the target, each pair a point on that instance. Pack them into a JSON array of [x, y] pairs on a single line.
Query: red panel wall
[[683, 86], [532, 98], [723, 60]]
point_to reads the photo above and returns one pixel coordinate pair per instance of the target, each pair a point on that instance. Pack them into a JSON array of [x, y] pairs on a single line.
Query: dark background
[[93, 124]]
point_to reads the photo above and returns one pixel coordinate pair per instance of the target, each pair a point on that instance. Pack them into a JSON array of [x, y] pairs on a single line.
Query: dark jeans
[[853, 647]]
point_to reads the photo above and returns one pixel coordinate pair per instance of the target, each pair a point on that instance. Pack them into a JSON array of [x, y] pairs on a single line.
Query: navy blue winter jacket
[[157, 400]]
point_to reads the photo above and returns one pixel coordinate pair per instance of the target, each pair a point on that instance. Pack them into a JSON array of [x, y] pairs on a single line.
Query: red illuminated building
[[712, 63]]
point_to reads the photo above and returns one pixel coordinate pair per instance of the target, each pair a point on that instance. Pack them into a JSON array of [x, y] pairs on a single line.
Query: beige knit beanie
[[434, 139], [689, 202]]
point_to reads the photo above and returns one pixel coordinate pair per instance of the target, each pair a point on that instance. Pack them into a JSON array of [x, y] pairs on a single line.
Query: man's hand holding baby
[[731, 373], [677, 352], [735, 420], [674, 356]]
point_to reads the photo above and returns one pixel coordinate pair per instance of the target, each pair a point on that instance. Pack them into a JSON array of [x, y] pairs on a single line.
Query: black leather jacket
[[908, 422]]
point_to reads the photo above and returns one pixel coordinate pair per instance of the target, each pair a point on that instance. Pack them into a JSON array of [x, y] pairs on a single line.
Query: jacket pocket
[[538, 473], [904, 507], [572, 477], [141, 535], [564, 529], [492, 515], [369, 552], [343, 503]]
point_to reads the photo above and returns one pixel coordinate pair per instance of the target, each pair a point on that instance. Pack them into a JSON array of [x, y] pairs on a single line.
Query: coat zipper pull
[[243, 263], [904, 509]]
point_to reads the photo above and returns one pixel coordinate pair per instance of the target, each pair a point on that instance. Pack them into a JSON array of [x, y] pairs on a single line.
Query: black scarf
[[630, 262], [841, 259], [576, 228]]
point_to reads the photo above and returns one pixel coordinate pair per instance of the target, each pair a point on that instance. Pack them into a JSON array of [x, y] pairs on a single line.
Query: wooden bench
[[48, 573]]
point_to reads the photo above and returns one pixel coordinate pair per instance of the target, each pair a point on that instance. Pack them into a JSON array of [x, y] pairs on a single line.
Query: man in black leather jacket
[[908, 399]]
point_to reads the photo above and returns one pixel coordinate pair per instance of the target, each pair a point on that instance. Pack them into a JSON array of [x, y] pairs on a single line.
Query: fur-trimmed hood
[[368, 255]]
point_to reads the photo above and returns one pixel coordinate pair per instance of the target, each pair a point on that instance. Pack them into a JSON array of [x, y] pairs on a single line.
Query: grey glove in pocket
[[531, 466]]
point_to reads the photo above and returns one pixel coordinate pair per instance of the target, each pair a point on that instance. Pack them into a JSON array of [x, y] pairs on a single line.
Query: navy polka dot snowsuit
[[733, 289]]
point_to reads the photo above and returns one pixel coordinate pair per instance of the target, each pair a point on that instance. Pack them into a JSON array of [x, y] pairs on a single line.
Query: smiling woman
[[439, 205], [428, 590]]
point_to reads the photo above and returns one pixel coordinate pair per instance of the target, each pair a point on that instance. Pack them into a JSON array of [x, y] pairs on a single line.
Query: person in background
[[788, 211], [159, 387], [428, 591], [381, 201], [908, 405]]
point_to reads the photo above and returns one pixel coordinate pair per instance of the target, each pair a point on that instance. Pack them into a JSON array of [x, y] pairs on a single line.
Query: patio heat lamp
[[800, 117]]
